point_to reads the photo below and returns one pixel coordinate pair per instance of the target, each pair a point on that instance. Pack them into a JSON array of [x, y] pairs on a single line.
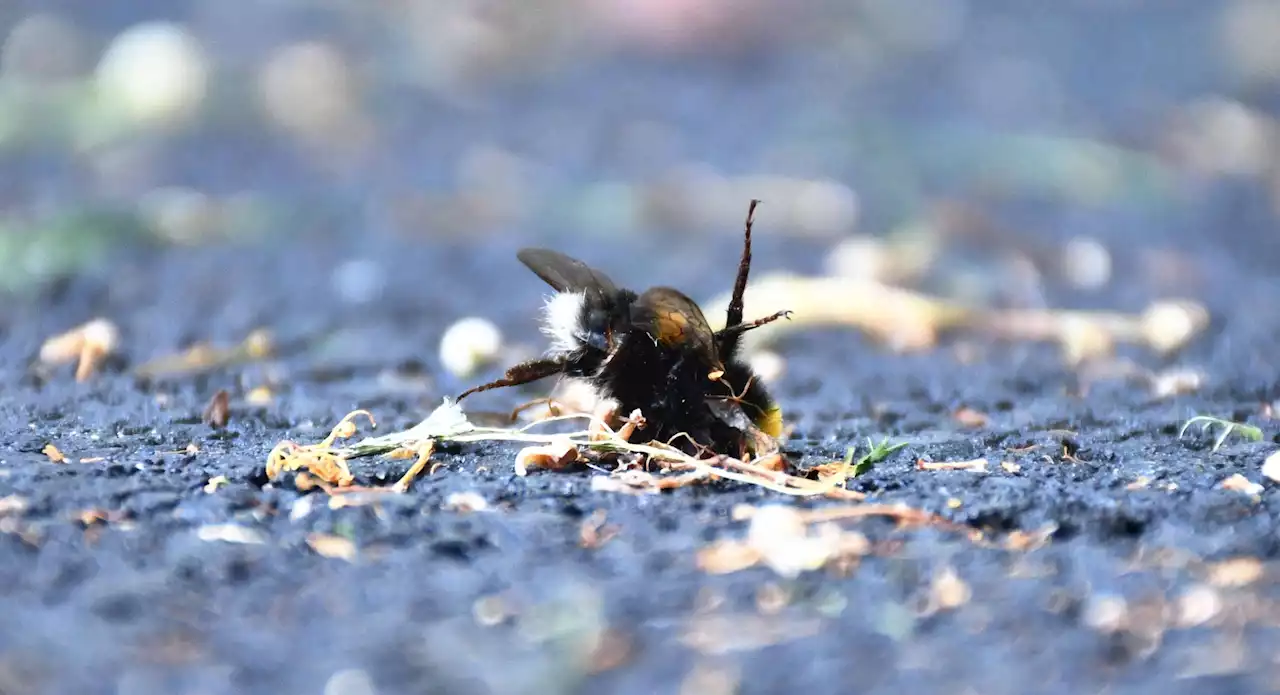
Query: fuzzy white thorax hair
[[562, 311]]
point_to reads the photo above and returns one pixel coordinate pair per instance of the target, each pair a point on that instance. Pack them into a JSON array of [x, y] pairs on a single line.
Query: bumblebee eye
[[599, 341]]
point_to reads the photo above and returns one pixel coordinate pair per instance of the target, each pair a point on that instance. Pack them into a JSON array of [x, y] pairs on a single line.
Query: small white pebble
[[1176, 382], [468, 345], [1168, 325], [1105, 613], [230, 533], [1198, 605], [1087, 263], [466, 502], [1271, 466], [157, 72], [350, 681], [301, 508]]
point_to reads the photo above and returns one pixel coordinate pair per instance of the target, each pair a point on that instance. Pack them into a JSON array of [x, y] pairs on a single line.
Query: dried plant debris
[[594, 532], [907, 320], [975, 466], [1241, 484], [203, 357], [791, 541], [663, 466], [218, 413], [53, 454], [1271, 467], [1249, 432], [87, 345], [320, 460], [331, 546]]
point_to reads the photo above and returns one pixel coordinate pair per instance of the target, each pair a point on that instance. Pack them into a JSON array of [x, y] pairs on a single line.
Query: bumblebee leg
[[522, 373], [603, 424], [740, 328]]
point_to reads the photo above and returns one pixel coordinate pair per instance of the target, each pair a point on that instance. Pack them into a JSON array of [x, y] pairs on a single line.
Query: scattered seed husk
[[89, 343], [216, 482], [1198, 605], [259, 395], [203, 357], [230, 533], [948, 591], [976, 465], [906, 320], [1236, 572], [13, 505], [320, 460], [465, 503], [218, 413], [1026, 541], [424, 455], [53, 454], [594, 533], [1271, 466], [554, 456], [1176, 382], [1239, 483], [331, 546], [726, 633], [968, 417]]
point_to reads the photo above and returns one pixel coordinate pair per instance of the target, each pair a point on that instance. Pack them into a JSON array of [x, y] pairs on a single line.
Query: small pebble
[[350, 681], [157, 72], [1271, 466], [468, 345], [1086, 263]]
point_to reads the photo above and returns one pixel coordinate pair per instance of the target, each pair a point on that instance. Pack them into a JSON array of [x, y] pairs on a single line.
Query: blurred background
[[1075, 140]]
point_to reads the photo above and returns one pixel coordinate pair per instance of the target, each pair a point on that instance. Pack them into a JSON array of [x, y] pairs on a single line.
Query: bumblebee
[[655, 352]]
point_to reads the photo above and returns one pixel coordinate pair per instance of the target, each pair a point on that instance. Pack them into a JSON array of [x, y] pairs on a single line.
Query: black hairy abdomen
[[667, 385]]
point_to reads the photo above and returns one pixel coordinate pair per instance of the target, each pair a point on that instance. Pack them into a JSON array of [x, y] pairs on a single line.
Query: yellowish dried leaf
[[726, 557], [465, 502], [259, 395], [1236, 572], [948, 590], [554, 456], [230, 533], [968, 417], [329, 545], [975, 466], [12, 505], [1239, 483], [54, 455]]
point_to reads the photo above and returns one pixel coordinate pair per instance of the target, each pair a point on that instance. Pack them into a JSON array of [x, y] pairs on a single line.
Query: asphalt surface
[[1111, 558], [135, 598]]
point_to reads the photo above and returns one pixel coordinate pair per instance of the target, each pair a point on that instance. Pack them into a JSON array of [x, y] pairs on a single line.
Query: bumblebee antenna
[[734, 315]]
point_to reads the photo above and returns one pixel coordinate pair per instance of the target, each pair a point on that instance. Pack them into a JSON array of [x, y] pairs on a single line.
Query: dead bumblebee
[[654, 352]]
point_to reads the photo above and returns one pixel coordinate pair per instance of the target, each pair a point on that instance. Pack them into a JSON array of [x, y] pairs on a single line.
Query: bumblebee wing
[[675, 320], [565, 273]]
